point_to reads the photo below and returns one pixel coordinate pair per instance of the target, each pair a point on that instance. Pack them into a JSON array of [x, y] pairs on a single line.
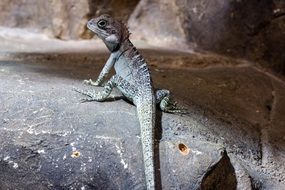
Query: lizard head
[[112, 32]]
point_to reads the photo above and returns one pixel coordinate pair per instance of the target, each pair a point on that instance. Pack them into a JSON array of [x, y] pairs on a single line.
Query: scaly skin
[[133, 79]]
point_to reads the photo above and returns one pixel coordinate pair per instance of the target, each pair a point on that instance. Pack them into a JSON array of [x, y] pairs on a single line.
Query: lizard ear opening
[[112, 39]]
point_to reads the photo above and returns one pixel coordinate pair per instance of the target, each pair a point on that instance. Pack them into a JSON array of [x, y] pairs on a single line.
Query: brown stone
[[59, 18], [158, 22]]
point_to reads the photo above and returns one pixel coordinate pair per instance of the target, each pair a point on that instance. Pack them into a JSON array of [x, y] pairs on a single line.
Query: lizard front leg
[[103, 95], [166, 104], [109, 64]]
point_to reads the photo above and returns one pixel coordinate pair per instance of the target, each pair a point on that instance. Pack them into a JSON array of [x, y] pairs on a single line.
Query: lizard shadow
[[157, 137]]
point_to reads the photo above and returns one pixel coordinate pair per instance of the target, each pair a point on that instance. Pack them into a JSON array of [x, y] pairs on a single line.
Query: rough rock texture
[[159, 22], [120, 9], [247, 29], [49, 140], [59, 18], [232, 138], [240, 28]]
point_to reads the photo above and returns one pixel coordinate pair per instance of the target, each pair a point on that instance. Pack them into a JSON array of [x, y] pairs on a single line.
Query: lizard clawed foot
[[91, 82], [170, 106], [90, 96], [176, 109]]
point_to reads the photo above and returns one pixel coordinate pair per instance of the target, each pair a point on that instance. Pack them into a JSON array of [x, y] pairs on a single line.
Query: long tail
[[146, 114]]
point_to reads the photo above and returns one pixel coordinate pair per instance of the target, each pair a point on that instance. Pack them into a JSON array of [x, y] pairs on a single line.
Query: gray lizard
[[133, 79]]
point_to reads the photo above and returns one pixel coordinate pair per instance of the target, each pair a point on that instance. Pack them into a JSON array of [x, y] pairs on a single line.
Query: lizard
[[133, 79]]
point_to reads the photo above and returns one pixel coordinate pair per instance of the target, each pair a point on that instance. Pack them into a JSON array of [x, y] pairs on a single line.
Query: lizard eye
[[102, 23]]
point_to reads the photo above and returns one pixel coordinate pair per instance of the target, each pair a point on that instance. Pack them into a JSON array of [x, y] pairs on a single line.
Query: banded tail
[[146, 114]]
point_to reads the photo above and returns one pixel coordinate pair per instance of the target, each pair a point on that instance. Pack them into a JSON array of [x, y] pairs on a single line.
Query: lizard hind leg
[[99, 96], [166, 103]]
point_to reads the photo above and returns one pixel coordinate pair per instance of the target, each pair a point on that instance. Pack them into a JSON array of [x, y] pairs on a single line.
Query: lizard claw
[[78, 90], [86, 93], [86, 100], [178, 111], [91, 82], [173, 108]]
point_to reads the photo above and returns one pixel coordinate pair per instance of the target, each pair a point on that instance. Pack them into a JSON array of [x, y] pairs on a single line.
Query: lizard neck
[[128, 49], [125, 45]]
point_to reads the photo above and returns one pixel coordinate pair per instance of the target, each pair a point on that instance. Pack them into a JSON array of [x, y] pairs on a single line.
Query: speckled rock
[[231, 138], [50, 140]]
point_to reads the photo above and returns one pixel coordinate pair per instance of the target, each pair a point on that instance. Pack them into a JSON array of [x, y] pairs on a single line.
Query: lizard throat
[[112, 47]]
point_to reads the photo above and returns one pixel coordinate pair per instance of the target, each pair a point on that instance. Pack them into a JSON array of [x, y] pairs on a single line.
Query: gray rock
[[58, 18], [238, 28], [247, 29], [50, 140]]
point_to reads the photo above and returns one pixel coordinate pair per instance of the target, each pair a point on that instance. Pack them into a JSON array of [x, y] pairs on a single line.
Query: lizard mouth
[[90, 26], [93, 28]]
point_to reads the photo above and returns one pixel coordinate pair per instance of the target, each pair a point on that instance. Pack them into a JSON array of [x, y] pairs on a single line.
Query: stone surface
[[166, 28], [232, 137], [222, 176], [59, 18], [42, 131], [239, 28], [120, 9]]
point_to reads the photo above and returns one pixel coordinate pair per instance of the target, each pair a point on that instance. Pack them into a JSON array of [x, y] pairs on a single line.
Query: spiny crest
[[125, 31]]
